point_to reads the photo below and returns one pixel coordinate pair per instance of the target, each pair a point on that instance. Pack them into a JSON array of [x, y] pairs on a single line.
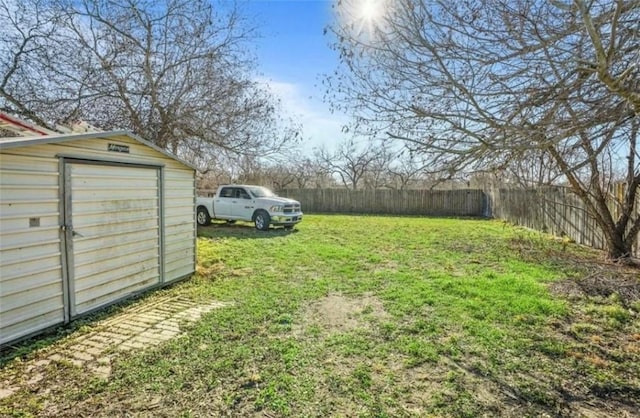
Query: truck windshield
[[261, 192]]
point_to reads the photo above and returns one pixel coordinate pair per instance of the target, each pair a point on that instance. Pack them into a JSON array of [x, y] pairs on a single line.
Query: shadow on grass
[[242, 231]]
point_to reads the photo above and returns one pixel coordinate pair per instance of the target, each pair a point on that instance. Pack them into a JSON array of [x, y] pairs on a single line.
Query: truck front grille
[[291, 208]]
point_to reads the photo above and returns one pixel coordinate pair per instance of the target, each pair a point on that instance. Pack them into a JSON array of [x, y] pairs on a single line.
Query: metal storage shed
[[86, 220]]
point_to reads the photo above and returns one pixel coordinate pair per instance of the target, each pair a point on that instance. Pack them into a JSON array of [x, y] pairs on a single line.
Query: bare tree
[[378, 174], [302, 172], [487, 84], [320, 176], [27, 28], [280, 175], [407, 169], [348, 161], [174, 71], [533, 168]]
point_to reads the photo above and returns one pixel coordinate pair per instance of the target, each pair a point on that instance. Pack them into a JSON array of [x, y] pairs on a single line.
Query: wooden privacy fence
[[556, 210], [466, 202]]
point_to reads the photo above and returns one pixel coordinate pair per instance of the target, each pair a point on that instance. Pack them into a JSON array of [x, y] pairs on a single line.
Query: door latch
[[65, 228]]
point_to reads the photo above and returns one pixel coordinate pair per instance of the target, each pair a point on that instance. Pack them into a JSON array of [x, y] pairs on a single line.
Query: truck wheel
[[262, 220], [202, 216]]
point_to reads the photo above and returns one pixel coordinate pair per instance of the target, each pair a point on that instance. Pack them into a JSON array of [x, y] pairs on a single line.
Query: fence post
[[487, 210]]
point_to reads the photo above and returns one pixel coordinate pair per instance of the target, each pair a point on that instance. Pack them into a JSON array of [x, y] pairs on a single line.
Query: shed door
[[112, 221]]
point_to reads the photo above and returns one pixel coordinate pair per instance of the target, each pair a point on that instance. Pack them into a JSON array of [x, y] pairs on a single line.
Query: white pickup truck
[[248, 203]]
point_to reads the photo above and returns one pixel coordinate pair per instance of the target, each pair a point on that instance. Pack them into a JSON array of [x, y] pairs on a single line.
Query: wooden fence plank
[[466, 202], [556, 210]]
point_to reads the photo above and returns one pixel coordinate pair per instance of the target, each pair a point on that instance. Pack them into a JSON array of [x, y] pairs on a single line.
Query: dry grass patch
[[337, 313]]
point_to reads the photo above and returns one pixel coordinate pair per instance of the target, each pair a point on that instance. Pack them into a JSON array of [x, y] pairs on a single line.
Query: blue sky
[[293, 55]]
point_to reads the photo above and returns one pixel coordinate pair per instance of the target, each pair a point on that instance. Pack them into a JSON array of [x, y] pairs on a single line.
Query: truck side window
[[226, 192], [243, 194]]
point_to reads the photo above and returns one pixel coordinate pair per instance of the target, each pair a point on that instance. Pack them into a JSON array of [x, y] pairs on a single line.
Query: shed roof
[[16, 142]]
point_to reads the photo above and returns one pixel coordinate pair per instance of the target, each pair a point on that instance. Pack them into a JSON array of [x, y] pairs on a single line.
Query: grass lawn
[[376, 317]]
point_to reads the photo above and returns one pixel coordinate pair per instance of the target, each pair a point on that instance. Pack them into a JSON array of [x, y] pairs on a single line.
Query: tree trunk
[[617, 249]]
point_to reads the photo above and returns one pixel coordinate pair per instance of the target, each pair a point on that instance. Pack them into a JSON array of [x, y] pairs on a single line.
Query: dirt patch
[[339, 376], [337, 313]]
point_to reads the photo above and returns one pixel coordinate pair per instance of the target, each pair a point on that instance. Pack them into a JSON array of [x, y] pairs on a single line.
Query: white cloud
[[319, 125]]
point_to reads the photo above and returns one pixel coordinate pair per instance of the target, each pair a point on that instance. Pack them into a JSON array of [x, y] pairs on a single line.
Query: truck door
[[222, 203], [243, 204]]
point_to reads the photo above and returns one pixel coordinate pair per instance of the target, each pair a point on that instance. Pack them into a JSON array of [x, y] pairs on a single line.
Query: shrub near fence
[[466, 202]]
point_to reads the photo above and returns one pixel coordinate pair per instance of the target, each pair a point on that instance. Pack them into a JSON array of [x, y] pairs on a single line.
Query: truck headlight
[[276, 208]]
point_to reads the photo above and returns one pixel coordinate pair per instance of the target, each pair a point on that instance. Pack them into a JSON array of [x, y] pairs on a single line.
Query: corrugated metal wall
[[32, 294], [31, 291], [179, 224]]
